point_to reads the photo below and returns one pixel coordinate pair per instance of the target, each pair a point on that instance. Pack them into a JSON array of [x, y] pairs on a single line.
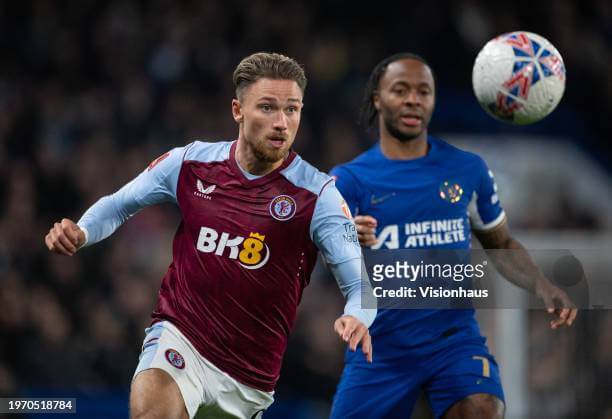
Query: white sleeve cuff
[[490, 225], [364, 315], [86, 233]]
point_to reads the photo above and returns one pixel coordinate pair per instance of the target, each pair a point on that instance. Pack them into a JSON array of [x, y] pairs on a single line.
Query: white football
[[519, 77]]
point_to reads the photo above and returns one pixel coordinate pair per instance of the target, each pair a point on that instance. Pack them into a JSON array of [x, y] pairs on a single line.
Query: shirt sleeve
[[355, 286], [332, 228], [485, 209], [333, 232], [348, 187], [156, 184]]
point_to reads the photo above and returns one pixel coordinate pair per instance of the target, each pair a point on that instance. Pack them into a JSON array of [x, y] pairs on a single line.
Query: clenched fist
[[65, 237]]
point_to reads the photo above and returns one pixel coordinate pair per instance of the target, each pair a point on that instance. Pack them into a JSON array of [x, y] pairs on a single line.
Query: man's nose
[[280, 122], [412, 98]]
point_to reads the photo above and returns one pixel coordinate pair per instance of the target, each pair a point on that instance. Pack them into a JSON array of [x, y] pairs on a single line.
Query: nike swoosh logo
[[377, 200]]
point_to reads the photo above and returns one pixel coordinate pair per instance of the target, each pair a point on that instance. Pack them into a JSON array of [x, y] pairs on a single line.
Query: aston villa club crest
[[283, 208], [175, 359], [451, 192]]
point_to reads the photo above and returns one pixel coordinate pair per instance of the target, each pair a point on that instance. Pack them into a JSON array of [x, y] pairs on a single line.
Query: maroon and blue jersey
[[243, 252]]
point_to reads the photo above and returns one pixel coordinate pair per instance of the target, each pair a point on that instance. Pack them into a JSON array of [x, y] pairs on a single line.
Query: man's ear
[[237, 111], [376, 101]]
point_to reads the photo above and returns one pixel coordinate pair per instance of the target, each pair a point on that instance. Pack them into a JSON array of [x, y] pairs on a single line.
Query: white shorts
[[207, 391]]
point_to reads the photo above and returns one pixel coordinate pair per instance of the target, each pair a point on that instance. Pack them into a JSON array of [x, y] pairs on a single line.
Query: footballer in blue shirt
[[412, 190]]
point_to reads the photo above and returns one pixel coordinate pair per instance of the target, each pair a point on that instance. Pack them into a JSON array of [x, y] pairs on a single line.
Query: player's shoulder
[[366, 159], [453, 154], [207, 152], [363, 165], [304, 175]]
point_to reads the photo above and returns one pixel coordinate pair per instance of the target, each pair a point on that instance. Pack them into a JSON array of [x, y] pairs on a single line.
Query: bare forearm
[[510, 258], [516, 265]]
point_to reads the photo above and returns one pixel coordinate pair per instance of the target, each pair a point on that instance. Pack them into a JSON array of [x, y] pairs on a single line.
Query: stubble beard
[[264, 154]]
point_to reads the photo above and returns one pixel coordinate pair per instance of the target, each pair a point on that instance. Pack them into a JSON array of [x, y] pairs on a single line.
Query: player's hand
[[556, 302], [366, 229], [65, 237], [352, 331]]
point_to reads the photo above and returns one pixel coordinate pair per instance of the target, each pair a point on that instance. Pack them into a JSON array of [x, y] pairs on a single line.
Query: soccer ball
[[519, 77]]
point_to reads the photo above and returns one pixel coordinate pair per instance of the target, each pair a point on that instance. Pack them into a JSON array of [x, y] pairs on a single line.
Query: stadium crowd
[[91, 91]]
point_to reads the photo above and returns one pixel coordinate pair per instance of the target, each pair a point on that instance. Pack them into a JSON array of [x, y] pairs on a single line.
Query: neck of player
[[394, 149], [248, 160]]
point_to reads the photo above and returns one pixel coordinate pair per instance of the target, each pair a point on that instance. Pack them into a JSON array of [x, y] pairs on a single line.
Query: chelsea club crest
[[451, 192]]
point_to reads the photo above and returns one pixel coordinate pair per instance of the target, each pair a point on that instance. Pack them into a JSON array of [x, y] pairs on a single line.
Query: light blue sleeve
[[355, 286], [332, 228], [347, 186], [334, 233], [156, 184]]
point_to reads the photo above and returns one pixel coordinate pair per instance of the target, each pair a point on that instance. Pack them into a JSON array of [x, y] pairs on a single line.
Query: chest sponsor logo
[[422, 234], [250, 252], [203, 192], [450, 192], [283, 208]]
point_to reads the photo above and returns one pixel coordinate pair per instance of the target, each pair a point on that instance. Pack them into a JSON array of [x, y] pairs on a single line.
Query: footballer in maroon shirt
[[254, 216]]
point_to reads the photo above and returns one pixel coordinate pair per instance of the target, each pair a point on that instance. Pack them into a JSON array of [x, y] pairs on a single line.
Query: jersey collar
[[260, 180], [431, 153]]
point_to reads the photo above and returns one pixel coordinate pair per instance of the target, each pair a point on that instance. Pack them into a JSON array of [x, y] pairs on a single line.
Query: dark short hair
[[267, 65], [368, 111]]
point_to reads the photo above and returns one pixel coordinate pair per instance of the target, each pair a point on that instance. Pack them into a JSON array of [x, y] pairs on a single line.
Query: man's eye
[[266, 108], [291, 109]]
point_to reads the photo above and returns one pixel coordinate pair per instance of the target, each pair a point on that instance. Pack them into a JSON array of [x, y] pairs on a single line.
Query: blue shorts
[[390, 390]]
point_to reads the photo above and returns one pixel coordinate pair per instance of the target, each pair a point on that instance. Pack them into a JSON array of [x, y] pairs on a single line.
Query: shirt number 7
[[486, 368]]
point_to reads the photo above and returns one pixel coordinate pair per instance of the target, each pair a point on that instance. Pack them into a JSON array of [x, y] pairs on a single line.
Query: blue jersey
[[428, 202]]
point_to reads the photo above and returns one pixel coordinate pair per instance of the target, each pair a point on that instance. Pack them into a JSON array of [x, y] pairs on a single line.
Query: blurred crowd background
[[91, 91]]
